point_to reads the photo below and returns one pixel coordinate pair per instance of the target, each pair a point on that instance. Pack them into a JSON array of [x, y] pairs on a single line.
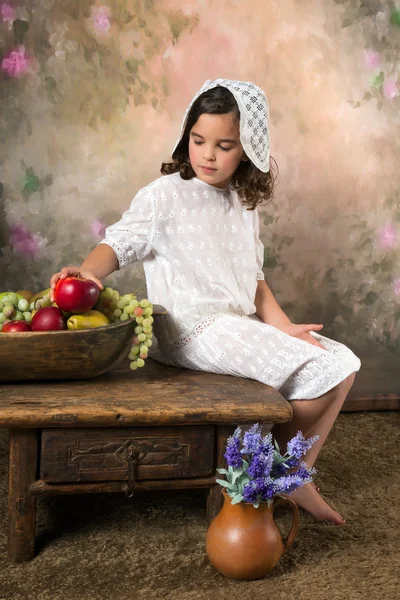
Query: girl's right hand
[[72, 272]]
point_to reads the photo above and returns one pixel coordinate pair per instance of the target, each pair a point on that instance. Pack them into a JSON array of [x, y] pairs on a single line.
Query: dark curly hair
[[252, 185]]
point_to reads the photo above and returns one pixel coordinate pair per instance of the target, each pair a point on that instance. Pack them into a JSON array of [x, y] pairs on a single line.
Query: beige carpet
[[109, 547]]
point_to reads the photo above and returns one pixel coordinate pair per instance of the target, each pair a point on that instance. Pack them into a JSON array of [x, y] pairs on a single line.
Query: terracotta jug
[[244, 542]]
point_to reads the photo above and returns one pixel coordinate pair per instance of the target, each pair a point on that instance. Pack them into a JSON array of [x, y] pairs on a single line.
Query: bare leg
[[314, 417]]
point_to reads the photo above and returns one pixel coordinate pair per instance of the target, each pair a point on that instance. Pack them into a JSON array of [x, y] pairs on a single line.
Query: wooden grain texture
[[41, 488], [372, 402], [98, 454], [21, 506], [214, 498], [65, 354], [154, 395]]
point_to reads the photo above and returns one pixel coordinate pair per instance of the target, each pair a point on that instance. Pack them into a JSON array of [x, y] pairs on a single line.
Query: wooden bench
[[157, 428]]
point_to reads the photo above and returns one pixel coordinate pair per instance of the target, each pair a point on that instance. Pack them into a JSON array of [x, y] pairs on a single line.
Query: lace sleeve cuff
[[260, 276], [118, 251]]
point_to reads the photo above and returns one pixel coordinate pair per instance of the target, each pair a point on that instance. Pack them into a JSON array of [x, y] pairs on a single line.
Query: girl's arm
[[102, 261], [269, 311], [267, 308]]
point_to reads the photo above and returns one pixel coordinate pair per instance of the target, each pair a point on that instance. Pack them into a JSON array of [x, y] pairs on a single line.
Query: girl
[[196, 229]]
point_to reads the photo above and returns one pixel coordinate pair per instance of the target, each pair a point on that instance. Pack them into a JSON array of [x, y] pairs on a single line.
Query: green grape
[[147, 329], [117, 312], [148, 342], [128, 309], [11, 298], [8, 310], [144, 303], [121, 304], [133, 366], [115, 295], [139, 320], [108, 292], [148, 311], [134, 303], [141, 337], [18, 316], [28, 316], [23, 305], [140, 362], [146, 322], [2, 318], [135, 350], [124, 317], [127, 298], [138, 330]]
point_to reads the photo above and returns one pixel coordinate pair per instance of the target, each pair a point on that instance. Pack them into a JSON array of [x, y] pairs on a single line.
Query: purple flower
[[292, 462], [261, 488], [250, 492], [15, 63], [252, 443], [298, 446], [232, 455], [305, 472], [260, 465], [289, 483], [267, 444]]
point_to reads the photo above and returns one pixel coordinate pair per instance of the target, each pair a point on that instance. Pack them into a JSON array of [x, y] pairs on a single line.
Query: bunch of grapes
[[121, 308], [14, 308]]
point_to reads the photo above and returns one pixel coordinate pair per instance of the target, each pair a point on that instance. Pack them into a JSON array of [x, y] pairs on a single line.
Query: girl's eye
[[222, 147]]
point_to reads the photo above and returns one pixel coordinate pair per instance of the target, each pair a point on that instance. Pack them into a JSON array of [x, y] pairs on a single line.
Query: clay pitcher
[[244, 542]]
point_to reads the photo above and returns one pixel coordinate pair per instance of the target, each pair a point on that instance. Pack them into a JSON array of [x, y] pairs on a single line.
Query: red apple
[[76, 294], [49, 318], [16, 327]]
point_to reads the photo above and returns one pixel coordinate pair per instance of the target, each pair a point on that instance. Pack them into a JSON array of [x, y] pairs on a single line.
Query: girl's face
[[215, 150]]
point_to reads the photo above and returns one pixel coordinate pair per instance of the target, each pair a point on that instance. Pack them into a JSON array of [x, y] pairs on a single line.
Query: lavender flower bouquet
[[257, 471]]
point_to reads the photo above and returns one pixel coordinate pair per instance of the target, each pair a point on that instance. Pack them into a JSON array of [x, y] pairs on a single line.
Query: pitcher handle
[[288, 541]]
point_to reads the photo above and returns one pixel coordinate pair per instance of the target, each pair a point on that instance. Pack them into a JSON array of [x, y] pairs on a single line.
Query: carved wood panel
[[102, 454]]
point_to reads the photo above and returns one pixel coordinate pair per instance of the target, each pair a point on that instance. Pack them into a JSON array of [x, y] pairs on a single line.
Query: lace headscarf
[[254, 118]]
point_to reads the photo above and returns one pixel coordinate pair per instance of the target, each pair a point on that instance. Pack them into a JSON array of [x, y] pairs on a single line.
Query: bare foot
[[310, 500]]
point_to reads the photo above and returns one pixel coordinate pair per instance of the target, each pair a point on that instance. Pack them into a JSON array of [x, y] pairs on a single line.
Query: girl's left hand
[[303, 333]]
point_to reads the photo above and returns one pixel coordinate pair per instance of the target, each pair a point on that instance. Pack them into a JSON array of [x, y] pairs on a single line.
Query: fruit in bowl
[[76, 294], [16, 327], [110, 310], [49, 318]]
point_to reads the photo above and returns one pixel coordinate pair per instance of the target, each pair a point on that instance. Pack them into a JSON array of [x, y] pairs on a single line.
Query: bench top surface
[[154, 395]]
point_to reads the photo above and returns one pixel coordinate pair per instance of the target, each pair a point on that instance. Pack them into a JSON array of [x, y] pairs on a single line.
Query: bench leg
[[214, 502], [215, 498], [22, 507]]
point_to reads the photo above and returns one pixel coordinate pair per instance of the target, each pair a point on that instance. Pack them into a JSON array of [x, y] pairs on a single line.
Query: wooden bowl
[[64, 354]]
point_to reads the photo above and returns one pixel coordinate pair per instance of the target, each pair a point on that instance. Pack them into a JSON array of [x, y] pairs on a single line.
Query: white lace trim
[[189, 338], [195, 333]]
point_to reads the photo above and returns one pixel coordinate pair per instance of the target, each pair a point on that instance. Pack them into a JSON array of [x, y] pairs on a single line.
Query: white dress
[[202, 257]]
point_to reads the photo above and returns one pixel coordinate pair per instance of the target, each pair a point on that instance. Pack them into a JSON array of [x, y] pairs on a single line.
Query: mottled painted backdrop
[[92, 95]]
